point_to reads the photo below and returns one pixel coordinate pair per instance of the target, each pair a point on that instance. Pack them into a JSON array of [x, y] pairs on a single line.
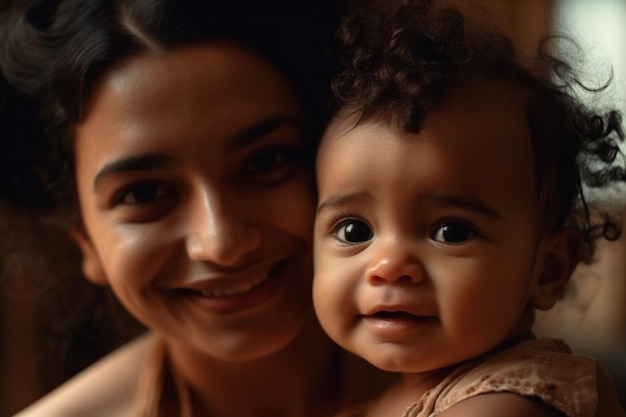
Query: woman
[[177, 138]]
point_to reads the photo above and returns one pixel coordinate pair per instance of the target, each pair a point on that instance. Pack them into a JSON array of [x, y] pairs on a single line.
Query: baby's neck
[[406, 391]]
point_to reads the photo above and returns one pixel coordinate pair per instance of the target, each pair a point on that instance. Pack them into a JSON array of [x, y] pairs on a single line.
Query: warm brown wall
[[19, 382], [525, 21]]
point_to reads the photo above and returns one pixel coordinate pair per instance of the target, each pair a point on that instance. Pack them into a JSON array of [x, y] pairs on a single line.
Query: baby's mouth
[[393, 315]]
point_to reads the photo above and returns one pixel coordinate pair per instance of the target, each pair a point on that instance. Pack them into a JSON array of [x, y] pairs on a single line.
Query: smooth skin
[[430, 247], [197, 211]]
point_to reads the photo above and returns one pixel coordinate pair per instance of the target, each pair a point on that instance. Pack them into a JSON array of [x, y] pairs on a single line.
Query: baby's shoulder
[[540, 377], [106, 388], [608, 400], [501, 404]]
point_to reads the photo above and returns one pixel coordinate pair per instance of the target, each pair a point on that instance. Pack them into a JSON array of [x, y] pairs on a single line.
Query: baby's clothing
[[541, 368]]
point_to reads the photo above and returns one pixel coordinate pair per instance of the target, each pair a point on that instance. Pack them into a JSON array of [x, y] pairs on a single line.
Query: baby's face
[[426, 245]]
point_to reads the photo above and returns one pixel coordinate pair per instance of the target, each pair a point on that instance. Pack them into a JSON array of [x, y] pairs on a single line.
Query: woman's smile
[[228, 289], [236, 293]]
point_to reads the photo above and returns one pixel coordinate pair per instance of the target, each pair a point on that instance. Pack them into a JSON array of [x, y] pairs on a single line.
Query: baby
[[451, 207]]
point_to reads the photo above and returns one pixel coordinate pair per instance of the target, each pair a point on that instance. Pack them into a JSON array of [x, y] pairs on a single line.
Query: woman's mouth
[[235, 295], [231, 290]]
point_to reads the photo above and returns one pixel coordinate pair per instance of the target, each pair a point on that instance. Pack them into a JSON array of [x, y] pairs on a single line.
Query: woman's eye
[[144, 193], [453, 232], [268, 161], [352, 231]]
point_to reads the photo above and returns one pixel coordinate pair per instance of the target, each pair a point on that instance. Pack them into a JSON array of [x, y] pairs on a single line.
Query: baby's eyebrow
[[468, 203], [131, 163], [344, 199], [472, 204]]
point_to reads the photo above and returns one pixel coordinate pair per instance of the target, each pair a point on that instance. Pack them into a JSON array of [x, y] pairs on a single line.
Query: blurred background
[[591, 317]]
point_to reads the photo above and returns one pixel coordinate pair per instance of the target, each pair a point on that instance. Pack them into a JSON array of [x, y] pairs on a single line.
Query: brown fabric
[[156, 375], [357, 380], [137, 381]]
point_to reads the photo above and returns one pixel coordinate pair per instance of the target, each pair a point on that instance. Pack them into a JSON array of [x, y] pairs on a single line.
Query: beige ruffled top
[[541, 368]]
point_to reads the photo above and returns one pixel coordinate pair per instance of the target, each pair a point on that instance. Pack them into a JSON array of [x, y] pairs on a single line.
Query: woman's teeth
[[233, 290]]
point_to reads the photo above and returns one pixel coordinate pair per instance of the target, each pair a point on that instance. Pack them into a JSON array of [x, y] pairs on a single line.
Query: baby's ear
[[91, 265], [559, 255]]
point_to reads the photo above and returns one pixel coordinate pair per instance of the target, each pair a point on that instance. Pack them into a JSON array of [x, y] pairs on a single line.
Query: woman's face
[[196, 200]]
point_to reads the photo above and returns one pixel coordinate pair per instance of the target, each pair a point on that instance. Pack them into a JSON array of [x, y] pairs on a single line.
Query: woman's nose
[[220, 232], [394, 263]]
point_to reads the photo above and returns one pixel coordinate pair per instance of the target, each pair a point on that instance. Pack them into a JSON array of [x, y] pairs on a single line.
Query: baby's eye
[[352, 231], [142, 193], [453, 232]]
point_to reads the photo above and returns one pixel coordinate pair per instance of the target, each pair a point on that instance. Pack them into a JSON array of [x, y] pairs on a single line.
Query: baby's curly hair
[[400, 64]]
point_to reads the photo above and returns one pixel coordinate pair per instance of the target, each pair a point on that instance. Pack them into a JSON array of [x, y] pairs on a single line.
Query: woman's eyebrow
[[153, 161], [262, 129], [132, 163]]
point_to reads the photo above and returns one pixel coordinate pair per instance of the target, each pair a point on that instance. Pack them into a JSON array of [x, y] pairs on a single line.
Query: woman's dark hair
[[54, 51], [401, 66], [51, 55]]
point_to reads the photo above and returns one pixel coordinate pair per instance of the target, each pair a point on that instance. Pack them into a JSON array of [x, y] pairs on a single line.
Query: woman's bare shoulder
[[106, 388]]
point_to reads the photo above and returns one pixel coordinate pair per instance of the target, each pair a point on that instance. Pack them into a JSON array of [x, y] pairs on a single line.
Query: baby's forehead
[[467, 106], [476, 126], [475, 145]]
